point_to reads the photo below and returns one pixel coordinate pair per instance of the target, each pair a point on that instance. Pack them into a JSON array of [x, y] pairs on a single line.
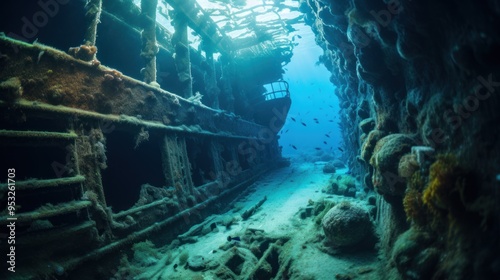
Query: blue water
[[312, 97]]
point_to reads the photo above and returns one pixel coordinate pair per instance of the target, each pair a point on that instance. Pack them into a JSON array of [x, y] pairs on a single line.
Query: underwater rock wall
[[418, 87]]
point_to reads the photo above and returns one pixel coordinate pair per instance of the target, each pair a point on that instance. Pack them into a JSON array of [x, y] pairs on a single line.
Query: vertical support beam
[[227, 89], [182, 58], [148, 37], [215, 150], [177, 169], [88, 165], [211, 79], [93, 17]]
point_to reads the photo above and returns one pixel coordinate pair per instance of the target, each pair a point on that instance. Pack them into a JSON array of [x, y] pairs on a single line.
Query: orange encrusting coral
[[443, 179], [412, 201]]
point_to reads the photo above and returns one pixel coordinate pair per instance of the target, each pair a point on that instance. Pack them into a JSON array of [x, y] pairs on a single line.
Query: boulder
[[329, 168], [338, 164], [347, 225], [196, 263]]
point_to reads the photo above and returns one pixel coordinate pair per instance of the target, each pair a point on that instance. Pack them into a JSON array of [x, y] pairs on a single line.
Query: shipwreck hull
[[103, 160]]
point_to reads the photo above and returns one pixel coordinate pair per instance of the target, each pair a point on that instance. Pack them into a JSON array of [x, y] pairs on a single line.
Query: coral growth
[[341, 185], [369, 144], [450, 198], [385, 161], [100, 152], [145, 253], [321, 207], [143, 136], [347, 225], [95, 63], [407, 165], [412, 202], [11, 89], [83, 52], [99, 209], [56, 95], [113, 76], [99, 142], [453, 195], [413, 256], [442, 183]]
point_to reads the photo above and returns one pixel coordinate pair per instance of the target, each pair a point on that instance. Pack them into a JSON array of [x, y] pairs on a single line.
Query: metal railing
[[278, 89]]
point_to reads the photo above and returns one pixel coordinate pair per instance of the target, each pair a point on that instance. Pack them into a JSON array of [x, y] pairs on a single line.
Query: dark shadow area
[[129, 168], [200, 157]]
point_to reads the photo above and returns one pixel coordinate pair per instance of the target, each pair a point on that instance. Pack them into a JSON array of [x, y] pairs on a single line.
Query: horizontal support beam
[[47, 212], [140, 208], [47, 183], [139, 235], [34, 239], [152, 204], [121, 119], [37, 134]]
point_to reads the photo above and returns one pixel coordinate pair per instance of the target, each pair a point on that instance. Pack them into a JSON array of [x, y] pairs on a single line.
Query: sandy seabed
[[298, 240]]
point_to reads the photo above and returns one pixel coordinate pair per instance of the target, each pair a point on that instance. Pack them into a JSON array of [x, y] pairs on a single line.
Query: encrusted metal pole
[[226, 87], [211, 79], [149, 45], [182, 59], [93, 15]]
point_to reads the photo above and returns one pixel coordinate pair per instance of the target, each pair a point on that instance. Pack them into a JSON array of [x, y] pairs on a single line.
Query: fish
[[325, 143], [303, 124], [295, 148], [229, 238], [293, 119], [340, 149], [327, 135], [287, 130], [39, 56], [317, 148], [330, 120]]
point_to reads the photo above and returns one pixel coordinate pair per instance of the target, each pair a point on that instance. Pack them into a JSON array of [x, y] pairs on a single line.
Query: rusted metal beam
[[149, 45], [200, 22], [37, 184], [93, 15]]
